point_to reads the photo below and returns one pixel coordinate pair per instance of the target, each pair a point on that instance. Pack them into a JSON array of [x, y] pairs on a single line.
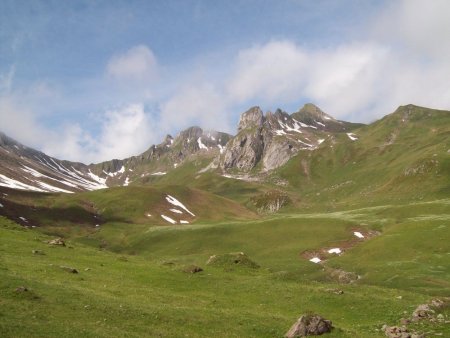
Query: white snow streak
[[168, 219], [200, 144], [176, 211], [352, 136], [175, 202], [159, 173], [10, 183], [358, 234]]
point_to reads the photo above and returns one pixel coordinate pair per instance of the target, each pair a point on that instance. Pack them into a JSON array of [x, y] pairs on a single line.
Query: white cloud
[[122, 133], [269, 72], [200, 105], [403, 59], [420, 25], [137, 64], [6, 80], [125, 132], [20, 122], [358, 81]]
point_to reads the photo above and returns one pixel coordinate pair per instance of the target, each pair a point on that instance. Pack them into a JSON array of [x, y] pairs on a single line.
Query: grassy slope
[[389, 163], [354, 185], [138, 296]]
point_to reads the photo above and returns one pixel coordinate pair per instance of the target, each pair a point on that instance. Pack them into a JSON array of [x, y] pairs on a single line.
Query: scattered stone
[[21, 289], [440, 318], [423, 311], [400, 332], [309, 325], [192, 269], [37, 252], [341, 276], [69, 269], [57, 241], [437, 303]]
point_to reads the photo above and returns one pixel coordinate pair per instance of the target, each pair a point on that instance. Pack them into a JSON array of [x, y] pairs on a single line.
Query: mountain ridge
[[263, 143]]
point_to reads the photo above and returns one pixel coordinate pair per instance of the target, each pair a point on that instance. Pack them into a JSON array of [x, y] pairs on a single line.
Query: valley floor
[[141, 285]]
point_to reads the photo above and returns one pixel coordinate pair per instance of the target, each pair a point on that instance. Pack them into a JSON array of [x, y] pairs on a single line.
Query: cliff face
[[271, 140]]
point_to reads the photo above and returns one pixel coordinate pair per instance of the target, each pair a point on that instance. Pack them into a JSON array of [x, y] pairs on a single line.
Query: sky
[[95, 80]]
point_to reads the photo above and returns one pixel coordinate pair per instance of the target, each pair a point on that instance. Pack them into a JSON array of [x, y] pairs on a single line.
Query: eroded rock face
[[309, 325], [252, 118], [244, 151], [271, 139]]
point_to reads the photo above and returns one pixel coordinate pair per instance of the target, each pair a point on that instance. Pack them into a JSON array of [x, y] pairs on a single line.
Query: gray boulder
[[309, 325]]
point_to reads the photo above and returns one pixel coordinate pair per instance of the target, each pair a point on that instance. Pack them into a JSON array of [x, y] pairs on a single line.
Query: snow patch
[[320, 141], [200, 144], [168, 219], [127, 182], [159, 173], [358, 234], [1, 205], [176, 211], [184, 222], [172, 200], [98, 179], [315, 260], [23, 219], [335, 251], [10, 183], [352, 136], [319, 123], [51, 188]]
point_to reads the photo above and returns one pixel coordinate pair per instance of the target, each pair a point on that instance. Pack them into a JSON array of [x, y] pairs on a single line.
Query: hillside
[[209, 234]]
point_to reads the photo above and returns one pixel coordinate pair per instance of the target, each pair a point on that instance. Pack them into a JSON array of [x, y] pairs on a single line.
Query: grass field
[[138, 288]]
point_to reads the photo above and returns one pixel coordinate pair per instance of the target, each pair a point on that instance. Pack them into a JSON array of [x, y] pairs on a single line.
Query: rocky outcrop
[[270, 201], [244, 151], [252, 118], [271, 140], [309, 325], [400, 332]]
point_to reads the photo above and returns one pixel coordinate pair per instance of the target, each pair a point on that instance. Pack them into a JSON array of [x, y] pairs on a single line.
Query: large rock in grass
[[309, 325]]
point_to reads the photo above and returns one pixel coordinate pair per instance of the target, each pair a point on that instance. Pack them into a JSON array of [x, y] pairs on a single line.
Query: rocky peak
[[7, 141], [168, 139], [253, 117], [312, 115], [191, 133]]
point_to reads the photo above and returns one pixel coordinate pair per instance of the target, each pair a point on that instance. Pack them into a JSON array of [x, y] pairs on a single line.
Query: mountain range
[[296, 217], [301, 150]]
